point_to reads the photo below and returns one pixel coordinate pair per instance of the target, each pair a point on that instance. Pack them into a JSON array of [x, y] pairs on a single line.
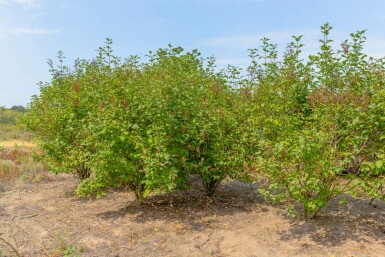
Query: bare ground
[[46, 218]]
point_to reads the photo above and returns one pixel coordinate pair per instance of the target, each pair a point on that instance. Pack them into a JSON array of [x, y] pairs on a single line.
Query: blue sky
[[32, 31]]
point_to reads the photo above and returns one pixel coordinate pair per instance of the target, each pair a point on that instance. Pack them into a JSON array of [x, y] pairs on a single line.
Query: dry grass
[[8, 170], [17, 163], [14, 132], [16, 143]]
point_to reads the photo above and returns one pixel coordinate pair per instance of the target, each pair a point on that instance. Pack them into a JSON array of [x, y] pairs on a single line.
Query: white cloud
[[30, 31], [26, 12], [232, 1], [235, 41], [375, 46], [25, 4], [238, 1], [240, 62], [224, 1], [28, 3], [253, 41], [231, 46]]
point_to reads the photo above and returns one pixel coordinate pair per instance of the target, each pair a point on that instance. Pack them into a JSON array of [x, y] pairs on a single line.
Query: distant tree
[[8, 116], [18, 108]]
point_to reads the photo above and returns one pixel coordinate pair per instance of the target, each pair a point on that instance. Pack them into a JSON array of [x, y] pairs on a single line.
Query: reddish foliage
[[324, 96], [13, 155]]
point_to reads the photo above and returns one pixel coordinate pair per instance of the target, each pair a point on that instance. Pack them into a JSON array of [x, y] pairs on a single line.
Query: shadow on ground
[[191, 206], [356, 221]]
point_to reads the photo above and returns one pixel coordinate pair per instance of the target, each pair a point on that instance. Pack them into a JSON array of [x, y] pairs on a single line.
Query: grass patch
[[13, 132], [18, 163], [16, 143]]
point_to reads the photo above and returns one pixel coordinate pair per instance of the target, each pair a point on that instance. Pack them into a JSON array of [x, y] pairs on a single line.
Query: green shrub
[[57, 118], [321, 123], [313, 129], [144, 126]]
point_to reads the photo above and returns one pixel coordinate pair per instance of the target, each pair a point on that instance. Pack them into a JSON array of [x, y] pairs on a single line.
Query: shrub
[[57, 117], [326, 125], [144, 126], [313, 129]]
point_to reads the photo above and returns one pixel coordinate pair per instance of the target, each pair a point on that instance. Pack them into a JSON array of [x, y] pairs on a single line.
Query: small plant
[[24, 177], [5, 167], [38, 178], [64, 248], [71, 251]]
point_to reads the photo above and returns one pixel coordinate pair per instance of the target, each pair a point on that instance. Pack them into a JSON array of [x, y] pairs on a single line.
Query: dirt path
[[46, 219]]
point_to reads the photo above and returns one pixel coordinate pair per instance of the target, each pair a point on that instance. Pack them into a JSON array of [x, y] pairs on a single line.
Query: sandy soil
[[43, 219]]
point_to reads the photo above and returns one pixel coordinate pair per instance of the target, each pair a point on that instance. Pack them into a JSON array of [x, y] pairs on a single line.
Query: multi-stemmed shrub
[[326, 146], [310, 129], [144, 126], [217, 147], [135, 128]]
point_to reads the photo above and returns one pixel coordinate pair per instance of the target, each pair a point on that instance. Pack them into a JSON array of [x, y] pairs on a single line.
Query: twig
[[13, 248], [29, 216]]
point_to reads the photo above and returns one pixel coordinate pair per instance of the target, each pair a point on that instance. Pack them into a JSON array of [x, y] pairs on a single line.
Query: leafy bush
[[57, 118], [10, 116], [311, 129], [144, 126], [328, 122], [10, 127]]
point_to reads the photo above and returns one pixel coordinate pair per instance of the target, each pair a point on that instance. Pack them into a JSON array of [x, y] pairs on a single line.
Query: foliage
[[10, 116], [310, 129], [71, 251], [143, 126], [10, 127], [56, 117], [331, 123]]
